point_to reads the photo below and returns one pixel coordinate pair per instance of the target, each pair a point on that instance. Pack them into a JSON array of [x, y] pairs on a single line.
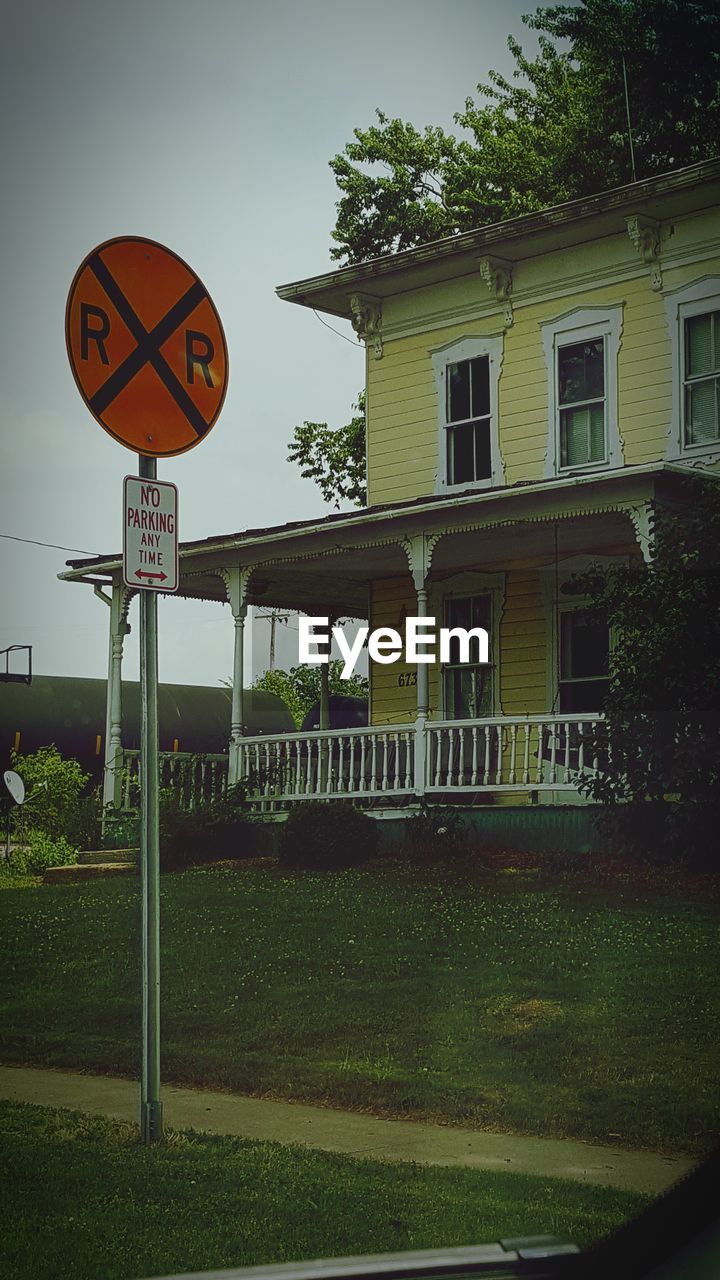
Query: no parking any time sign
[[150, 537]]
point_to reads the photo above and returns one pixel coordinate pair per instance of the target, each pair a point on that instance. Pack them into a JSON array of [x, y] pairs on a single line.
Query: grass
[[513, 1003], [82, 1198]]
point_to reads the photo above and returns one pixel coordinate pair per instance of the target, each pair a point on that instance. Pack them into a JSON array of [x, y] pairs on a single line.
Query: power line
[[337, 331], [53, 545]]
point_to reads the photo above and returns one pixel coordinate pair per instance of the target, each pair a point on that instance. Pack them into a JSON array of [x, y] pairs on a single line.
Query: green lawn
[[82, 1199], [509, 1003]]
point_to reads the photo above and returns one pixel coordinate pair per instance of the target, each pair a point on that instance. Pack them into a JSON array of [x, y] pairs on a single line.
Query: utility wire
[[34, 543], [337, 331]]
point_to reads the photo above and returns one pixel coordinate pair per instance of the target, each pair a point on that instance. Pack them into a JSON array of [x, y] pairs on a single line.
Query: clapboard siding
[[403, 410]]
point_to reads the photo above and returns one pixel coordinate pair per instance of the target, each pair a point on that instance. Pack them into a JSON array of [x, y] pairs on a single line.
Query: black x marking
[[148, 349]]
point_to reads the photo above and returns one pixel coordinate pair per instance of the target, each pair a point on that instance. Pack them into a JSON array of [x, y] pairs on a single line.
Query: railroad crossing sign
[[150, 534], [146, 346]]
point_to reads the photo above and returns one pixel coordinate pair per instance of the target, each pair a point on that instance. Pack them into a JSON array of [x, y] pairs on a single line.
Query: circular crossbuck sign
[[146, 346]]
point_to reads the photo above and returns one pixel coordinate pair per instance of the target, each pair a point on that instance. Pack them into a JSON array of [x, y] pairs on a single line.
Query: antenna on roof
[[627, 112]]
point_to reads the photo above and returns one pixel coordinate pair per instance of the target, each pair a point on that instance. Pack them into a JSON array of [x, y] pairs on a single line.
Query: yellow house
[[533, 388]]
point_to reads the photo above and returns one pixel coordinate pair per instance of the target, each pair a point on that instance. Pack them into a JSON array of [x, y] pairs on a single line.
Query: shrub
[[41, 851], [436, 834], [218, 829], [327, 836], [57, 800]]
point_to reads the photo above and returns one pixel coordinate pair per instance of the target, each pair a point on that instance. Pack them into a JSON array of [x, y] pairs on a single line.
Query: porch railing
[[499, 754], [350, 763], [194, 778], [510, 753]]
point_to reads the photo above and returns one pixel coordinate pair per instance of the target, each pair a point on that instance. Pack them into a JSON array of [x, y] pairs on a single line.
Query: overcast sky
[[207, 127]]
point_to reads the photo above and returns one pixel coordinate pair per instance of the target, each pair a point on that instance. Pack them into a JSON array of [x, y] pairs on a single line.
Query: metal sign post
[[149, 357], [151, 1114]]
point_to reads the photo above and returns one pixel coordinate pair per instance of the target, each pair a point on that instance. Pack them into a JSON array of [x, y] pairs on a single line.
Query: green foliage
[[218, 829], [300, 686], [122, 828], [334, 457], [57, 799], [659, 753], [434, 835], [556, 131], [174, 1206], [327, 836], [40, 850]]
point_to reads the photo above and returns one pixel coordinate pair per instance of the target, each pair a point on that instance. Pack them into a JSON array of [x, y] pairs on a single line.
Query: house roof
[[437, 507], [665, 196]]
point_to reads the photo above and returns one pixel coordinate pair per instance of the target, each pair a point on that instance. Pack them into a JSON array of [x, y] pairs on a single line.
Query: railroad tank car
[[346, 712], [69, 711]]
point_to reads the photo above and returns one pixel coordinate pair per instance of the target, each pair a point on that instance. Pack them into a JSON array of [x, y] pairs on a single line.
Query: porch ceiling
[[336, 581], [325, 566]]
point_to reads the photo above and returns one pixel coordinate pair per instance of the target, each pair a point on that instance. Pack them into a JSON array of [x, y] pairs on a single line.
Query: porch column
[[119, 628], [236, 584], [419, 548]]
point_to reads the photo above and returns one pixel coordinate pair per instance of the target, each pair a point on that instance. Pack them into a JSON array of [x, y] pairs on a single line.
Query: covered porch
[[516, 732]]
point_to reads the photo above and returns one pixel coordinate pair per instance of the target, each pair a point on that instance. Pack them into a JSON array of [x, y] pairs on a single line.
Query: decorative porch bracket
[[236, 581], [641, 514], [419, 548]]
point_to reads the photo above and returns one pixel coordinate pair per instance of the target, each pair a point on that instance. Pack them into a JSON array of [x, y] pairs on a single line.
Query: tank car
[[69, 711]]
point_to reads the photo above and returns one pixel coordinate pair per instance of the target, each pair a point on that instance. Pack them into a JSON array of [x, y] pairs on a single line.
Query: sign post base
[[151, 1122]]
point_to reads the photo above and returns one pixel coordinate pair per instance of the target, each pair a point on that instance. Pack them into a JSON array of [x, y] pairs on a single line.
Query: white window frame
[[584, 324], [469, 348], [549, 581], [461, 586], [696, 299]]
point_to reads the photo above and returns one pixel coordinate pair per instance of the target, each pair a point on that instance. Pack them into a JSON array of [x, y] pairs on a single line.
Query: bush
[[327, 836], [57, 800], [219, 829], [41, 851], [436, 834]]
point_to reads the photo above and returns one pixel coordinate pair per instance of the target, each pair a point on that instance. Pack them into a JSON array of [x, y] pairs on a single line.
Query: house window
[[693, 315], [701, 400], [467, 388], [467, 686], [581, 353], [581, 398], [584, 661], [466, 376]]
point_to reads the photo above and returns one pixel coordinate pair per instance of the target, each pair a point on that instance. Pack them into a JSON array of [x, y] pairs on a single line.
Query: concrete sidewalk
[[349, 1133]]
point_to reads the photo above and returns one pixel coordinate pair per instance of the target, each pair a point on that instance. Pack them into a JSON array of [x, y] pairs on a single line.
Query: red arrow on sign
[[140, 573]]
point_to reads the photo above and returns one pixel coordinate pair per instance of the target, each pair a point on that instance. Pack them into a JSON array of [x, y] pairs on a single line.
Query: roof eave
[[331, 291]]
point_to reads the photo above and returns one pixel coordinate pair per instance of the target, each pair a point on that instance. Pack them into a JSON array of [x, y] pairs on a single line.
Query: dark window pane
[[586, 695], [584, 646], [581, 372], [468, 693], [461, 444], [458, 391], [467, 612], [480, 385]]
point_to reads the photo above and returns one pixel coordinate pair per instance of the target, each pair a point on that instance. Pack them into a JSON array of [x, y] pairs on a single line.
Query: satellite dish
[[15, 785]]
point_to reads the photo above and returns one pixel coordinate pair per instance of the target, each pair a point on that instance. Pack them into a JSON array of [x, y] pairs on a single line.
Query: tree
[[556, 131], [300, 686], [659, 758], [334, 457]]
